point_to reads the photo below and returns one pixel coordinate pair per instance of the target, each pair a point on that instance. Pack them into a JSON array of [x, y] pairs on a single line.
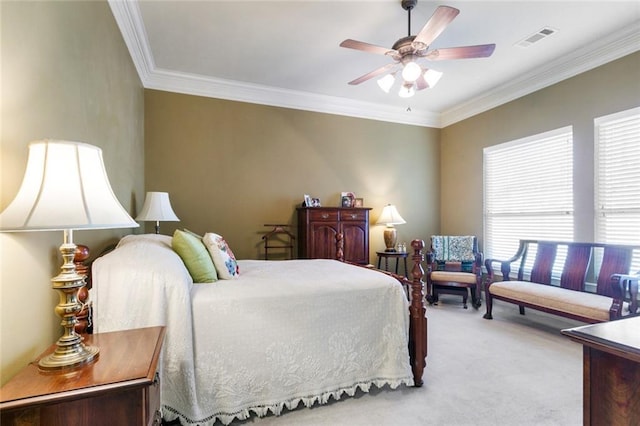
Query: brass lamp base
[[70, 351], [390, 238], [73, 355]]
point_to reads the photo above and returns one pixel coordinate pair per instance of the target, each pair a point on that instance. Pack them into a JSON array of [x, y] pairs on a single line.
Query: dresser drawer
[[348, 215], [323, 216]]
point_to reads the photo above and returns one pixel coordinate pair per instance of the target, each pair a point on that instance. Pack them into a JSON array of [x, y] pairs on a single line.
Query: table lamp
[[65, 188], [390, 217], [157, 207]]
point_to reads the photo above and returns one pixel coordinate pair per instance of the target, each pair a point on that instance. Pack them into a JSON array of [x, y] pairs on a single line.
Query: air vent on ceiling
[[536, 37]]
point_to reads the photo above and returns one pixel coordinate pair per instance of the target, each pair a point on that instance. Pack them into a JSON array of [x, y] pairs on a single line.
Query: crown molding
[[199, 85], [129, 20], [615, 46]]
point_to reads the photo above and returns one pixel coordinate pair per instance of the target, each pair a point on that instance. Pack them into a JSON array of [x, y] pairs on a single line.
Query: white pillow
[[223, 258]]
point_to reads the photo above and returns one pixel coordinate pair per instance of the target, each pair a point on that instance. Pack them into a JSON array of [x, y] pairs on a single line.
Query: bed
[[282, 333]]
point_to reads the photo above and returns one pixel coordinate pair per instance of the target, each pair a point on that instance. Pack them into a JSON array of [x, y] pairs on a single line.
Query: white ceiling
[[286, 53]]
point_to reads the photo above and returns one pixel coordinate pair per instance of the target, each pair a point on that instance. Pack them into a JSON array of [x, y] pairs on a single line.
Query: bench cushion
[[458, 277], [588, 305]]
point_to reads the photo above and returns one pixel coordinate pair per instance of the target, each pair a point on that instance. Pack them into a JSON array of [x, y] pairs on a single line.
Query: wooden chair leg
[[488, 304], [475, 297]]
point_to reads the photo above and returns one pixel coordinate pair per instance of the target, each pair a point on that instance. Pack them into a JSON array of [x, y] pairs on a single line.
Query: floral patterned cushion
[[222, 256], [453, 248]]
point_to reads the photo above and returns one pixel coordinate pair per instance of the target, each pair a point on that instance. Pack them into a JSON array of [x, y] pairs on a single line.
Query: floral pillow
[[222, 256], [453, 248]]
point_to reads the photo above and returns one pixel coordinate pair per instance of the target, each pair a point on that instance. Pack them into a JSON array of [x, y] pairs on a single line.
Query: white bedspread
[[284, 332]]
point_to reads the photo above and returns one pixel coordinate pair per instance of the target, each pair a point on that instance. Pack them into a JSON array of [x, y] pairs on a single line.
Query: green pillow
[[195, 256], [198, 236]]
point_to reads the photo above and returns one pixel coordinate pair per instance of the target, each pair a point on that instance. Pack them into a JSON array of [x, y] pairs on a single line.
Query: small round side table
[[397, 255]]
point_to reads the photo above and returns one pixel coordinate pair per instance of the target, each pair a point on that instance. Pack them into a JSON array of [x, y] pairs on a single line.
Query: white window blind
[[528, 192], [617, 179]]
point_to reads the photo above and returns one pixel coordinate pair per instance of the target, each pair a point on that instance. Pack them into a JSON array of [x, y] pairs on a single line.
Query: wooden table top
[[621, 337], [126, 358], [392, 253]]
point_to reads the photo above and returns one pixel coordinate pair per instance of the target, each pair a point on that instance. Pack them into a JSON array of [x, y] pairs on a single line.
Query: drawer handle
[[354, 216], [156, 378], [325, 216]]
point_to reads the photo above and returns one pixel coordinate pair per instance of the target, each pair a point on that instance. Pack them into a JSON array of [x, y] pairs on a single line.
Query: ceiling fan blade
[[434, 26], [366, 47], [480, 51], [373, 73]]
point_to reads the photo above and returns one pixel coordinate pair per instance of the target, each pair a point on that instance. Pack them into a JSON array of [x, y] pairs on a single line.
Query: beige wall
[[231, 167], [574, 102], [66, 74]]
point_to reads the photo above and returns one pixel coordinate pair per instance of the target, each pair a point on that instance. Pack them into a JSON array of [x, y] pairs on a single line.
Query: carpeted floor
[[513, 370]]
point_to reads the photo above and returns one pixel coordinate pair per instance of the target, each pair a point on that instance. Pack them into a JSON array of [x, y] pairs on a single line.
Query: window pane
[[617, 179], [528, 192]]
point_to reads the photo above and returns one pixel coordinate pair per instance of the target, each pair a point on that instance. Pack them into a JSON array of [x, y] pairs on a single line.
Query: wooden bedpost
[[418, 323], [340, 246]]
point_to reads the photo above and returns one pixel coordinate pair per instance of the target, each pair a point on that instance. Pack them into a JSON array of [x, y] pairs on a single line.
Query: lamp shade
[[65, 187], [407, 90], [390, 216], [157, 207], [432, 77], [386, 82]]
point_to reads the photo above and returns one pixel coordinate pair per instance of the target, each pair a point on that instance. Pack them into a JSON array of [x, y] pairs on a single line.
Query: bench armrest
[[505, 265], [621, 283]]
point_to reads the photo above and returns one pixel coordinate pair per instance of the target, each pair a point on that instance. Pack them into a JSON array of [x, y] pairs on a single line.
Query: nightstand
[[121, 387], [397, 255]]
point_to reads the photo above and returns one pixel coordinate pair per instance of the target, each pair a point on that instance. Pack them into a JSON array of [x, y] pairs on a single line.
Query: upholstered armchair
[[454, 266]]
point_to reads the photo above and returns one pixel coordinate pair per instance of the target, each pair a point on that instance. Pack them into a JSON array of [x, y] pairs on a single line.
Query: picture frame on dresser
[[307, 201], [358, 202], [347, 199]]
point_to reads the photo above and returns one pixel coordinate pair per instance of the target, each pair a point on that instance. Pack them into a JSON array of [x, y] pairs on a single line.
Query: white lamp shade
[[411, 72], [407, 90], [65, 187], [157, 207], [390, 216], [432, 77], [386, 82]]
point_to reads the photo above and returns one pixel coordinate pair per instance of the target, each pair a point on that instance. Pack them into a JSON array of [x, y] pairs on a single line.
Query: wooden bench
[[568, 294]]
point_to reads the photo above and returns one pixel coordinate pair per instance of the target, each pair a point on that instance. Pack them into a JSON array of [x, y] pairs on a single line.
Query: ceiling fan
[[408, 50]]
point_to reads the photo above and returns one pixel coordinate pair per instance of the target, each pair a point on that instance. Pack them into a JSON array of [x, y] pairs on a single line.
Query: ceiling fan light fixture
[[386, 82], [407, 90], [411, 71], [407, 51], [432, 77]]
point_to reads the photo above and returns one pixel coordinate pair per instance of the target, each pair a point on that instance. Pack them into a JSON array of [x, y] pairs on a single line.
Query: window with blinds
[[528, 192], [617, 179]]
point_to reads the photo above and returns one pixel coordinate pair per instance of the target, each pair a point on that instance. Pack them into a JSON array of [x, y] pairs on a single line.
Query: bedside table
[[121, 387], [397, 255]]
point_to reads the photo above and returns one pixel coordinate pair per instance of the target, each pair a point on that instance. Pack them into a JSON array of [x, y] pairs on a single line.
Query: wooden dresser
[[319, 226], [120, 388]]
